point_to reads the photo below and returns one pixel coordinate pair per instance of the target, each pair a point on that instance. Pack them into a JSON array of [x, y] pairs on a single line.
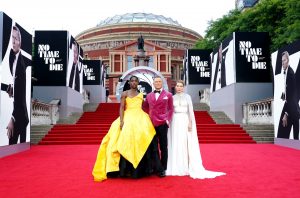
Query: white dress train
[[184, 156]]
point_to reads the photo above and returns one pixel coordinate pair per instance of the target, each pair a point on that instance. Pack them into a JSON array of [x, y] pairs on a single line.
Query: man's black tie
[[284, 72], [157, 91]]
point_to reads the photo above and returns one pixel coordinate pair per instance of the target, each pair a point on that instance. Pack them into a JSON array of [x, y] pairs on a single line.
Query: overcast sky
[[77, 16]]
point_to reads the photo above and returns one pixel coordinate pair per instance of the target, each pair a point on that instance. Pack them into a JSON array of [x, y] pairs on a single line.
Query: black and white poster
[[15, 77], [252, 57], [223, 65], [91, 72], [198, 67], [74, 70], [286, 67], [50, 58]]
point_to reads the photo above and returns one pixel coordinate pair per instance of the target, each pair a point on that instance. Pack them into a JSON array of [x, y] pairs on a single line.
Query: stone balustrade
[[43, 113], [259, 112]]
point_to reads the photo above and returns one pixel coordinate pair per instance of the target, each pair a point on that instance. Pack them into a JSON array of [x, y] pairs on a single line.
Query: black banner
[[50, 58], [252, 57], [199, 65], [91, 72]]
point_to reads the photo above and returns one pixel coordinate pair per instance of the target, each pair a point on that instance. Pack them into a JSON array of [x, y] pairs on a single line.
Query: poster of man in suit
[[15, 63], [223, 68], [75, 70], [286, 67]]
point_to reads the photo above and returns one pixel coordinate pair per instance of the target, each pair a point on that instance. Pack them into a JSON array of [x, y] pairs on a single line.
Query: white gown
[[183, 147]]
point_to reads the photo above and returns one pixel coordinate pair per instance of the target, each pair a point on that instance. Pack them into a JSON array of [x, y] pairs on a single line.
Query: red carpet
[[253, 170], [92, 126]]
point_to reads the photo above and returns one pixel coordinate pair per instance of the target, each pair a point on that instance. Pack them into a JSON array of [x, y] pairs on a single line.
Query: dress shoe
[[162, 174]]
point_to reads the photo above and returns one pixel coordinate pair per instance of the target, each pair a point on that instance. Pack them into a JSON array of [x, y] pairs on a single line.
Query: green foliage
[[280, 18]]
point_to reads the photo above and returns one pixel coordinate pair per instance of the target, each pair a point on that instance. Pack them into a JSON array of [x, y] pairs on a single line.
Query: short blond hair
[[180, 81]]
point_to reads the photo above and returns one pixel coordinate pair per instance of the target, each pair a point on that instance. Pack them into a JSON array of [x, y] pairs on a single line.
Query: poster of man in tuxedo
[[15, 72], [75, 70], [286, 67], [223, 68], [198, 66], [50, 58], [91, 72]]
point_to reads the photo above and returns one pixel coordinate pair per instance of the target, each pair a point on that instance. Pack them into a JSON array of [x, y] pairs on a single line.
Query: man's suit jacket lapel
[[161, 96]]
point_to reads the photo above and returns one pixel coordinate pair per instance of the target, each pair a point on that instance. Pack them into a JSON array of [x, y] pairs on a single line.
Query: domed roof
[[138, 18]]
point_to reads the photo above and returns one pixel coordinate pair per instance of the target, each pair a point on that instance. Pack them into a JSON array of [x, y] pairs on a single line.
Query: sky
[[77, 16]]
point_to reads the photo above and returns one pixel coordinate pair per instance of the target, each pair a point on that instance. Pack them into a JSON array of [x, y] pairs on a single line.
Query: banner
[[223, 68], [57, 60], [92, 72], [15, 77], [75, 70], [243, 57], [198, 66], [252, 57], [50, 58], [286, 67]]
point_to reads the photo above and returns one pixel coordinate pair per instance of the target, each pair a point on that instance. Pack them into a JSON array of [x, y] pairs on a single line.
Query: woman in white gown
[[183, 147]]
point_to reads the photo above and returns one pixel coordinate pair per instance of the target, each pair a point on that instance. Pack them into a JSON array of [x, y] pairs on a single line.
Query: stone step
[[90, 107], [263, 139], [201, 107], [37, 132], [220, 117], [257, 127], [261, 134], [72, 119], [265, 142]]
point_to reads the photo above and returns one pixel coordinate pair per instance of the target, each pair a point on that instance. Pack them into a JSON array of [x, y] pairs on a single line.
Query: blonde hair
[[180, 81]]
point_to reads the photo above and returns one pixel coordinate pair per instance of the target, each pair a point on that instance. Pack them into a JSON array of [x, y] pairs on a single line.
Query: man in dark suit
[[19, 119], [159, 105], [220, 71], [291, 112], [74, 81]]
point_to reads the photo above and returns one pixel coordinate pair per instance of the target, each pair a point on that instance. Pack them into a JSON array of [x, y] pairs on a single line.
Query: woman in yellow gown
[[128, 137]]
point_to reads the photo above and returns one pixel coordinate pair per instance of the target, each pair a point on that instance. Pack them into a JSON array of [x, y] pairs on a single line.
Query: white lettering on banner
[[252, 54], [50, 57], [201, 66], [89, 73]]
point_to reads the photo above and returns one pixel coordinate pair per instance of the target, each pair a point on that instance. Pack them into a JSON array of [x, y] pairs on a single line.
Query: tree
[[280, 18]]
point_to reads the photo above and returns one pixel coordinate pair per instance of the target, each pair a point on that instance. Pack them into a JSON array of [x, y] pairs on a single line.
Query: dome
[[138, 18]]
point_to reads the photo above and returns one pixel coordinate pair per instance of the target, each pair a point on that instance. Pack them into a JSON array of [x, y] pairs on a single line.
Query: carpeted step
[[93, 126]]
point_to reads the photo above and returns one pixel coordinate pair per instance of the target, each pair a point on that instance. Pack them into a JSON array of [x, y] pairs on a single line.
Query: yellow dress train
[[131, 142]]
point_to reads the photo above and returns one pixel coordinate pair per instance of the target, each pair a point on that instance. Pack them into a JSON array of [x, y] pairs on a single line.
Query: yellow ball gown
[[131, 142]]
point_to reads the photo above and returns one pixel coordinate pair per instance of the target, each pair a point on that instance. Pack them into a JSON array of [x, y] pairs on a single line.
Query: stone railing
[[205, 96], [43, 113], [259, 112], [86, 96]]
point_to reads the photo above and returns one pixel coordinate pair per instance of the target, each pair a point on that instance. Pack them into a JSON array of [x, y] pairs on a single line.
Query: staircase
[[210, 132], [261, 133], [89, 129], [92, 127], [200, 107], [220, 117], [38, 132]]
